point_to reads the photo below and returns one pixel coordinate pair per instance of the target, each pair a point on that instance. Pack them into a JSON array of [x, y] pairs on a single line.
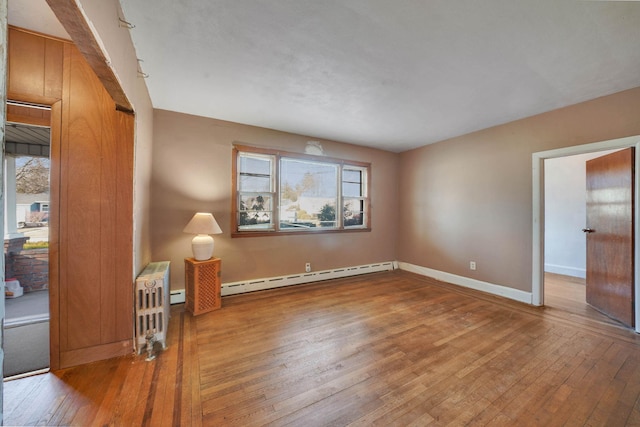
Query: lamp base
[[202, 247]]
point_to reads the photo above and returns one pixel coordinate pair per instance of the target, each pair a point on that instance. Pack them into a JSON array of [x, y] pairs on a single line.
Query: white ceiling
[[35, 15], [388, 74]]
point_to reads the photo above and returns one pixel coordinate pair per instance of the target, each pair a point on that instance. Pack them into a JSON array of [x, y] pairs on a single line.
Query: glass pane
[[309, 179], [255, 173], [353, 213], [308, 194], [254, 183], [350, 175], [255, 202], [261, 219], [255, 211], [351, 189], [255, 164], [352, 182], [327, 215]]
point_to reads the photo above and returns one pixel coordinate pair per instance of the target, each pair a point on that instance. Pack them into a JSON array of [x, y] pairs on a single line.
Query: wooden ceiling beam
[[74, 22]]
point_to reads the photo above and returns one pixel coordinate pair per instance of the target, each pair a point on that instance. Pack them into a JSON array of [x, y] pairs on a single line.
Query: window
[[277, 192], [256, 191]]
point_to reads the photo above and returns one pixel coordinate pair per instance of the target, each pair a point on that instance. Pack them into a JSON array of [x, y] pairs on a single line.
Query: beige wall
[[192, 172], [142, 253], [470, 198], [103, 16]]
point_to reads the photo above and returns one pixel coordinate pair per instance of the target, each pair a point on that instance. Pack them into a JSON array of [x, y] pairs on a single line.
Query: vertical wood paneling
[[64, 211], [26, 63], [108, 208], [83, 193], [91, 246], [54, 235], [98, 285], [53, 57], [124, 225], [35, 66]]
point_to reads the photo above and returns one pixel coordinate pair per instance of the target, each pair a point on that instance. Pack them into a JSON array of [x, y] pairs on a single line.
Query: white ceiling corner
[[35, 15]]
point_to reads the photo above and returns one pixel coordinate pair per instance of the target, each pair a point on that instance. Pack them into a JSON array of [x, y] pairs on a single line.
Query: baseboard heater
[[296, 279]]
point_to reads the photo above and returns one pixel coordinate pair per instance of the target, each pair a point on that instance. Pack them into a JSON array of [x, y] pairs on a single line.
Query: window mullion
[[276, 177], [340, 207]]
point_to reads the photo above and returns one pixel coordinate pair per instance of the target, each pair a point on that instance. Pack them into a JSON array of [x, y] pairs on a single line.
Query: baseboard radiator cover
[[152, 304], [178, 296], [241, 287]]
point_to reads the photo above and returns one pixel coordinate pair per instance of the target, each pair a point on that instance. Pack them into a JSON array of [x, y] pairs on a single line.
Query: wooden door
[[610, 235]]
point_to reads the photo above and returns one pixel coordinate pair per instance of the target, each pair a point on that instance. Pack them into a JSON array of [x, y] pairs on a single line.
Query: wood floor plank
[[192, 405], [105, 412], [389, 349]]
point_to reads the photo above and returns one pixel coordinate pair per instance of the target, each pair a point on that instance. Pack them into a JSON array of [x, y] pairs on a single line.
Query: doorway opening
[[27, 204], [565, 260], [538, 230]]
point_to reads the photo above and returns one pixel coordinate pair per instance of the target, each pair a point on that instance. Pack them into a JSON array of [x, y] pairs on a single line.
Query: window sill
[[296, 233]]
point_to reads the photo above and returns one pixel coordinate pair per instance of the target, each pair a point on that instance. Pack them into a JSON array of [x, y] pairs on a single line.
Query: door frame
[[537, 279], [55, 125]]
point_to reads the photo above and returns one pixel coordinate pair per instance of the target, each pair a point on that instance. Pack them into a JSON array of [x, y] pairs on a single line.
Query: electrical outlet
[[307, 267], [472, 265]]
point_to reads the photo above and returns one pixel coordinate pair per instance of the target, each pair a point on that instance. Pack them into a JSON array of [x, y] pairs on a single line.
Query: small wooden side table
[[202, 285]]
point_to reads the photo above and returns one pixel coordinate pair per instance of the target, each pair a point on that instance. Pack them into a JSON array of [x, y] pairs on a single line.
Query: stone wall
[[30, 267]]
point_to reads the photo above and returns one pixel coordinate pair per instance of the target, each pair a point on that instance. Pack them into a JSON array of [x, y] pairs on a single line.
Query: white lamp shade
[[202, 224]]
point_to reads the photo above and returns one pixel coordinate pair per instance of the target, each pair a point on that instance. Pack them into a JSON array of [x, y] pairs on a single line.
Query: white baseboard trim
[[178, 296], [503, 291], [565, 270]]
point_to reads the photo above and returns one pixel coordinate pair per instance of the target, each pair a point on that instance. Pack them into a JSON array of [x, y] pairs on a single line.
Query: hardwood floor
[[568, 294], [382, 349]]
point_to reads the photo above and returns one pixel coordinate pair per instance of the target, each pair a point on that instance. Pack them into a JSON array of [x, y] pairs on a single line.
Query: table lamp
[[202, 224]]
